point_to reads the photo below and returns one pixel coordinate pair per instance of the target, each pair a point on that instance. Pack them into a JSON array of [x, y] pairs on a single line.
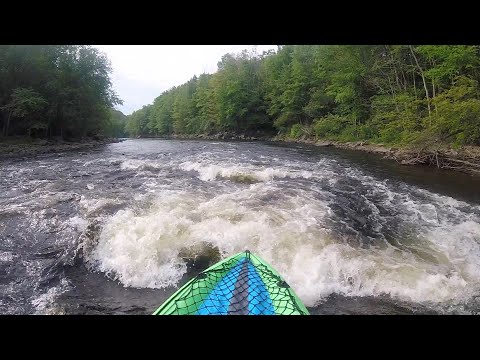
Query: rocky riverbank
[[225, 136], [25, 147], [465, 159]]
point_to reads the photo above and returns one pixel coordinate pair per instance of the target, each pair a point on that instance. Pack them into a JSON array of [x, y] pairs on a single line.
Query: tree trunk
[[394, 62], [414, 85], [396, 76], [393, 95], [8, 123], [355, 125], [4, 127], [404, 80], [424, 83]]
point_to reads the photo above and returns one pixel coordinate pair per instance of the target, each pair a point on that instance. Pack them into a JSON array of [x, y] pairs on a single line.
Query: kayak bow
[[242, 284]]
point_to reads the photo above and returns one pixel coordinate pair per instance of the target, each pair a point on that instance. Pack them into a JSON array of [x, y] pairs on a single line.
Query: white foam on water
[[95, 162], [45, 303], [134, 164], [142, 249], [339, 268], [6, 256], [78, 223], [285, 225], [91, 206], [209, 172], [461, 245], [289, 228]]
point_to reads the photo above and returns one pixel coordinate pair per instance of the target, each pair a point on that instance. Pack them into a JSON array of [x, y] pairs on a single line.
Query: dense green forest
[[57, 90], [382, 93], [115, 126]]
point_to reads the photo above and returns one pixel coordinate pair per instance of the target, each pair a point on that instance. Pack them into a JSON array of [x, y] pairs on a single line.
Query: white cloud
[[143, 72]]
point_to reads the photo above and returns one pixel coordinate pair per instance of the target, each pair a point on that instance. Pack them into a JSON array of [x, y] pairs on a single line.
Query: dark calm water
[[117, 230]]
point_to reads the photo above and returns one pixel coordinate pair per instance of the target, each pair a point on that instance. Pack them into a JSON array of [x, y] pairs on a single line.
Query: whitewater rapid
[[435, 259], [328, 225]]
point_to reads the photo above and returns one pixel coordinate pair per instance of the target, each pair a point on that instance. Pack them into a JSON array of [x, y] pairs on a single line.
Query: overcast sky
[[143, 72]]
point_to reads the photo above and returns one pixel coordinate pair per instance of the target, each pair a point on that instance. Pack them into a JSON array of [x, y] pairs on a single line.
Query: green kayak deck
[[242, 284]]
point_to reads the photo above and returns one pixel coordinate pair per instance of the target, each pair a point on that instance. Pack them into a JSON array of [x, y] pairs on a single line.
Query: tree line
[[57, 90], [396, 94]]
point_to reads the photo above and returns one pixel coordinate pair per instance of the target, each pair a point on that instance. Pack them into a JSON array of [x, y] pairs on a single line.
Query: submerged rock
[[243, 179], [200, 256]]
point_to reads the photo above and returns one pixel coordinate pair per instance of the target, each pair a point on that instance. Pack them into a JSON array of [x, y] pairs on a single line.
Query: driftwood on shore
[[442, 159], [465, 159]]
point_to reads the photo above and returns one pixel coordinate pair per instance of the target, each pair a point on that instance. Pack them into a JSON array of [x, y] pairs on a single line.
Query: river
[[117, 230]]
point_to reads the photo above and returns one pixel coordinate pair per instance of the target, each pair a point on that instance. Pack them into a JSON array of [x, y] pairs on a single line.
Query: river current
[[117, 230]]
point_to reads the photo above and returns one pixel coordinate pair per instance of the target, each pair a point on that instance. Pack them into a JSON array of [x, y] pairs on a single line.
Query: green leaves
[[388, 93], [458, 117], [66, 87], [448, 61], [25, 102]]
